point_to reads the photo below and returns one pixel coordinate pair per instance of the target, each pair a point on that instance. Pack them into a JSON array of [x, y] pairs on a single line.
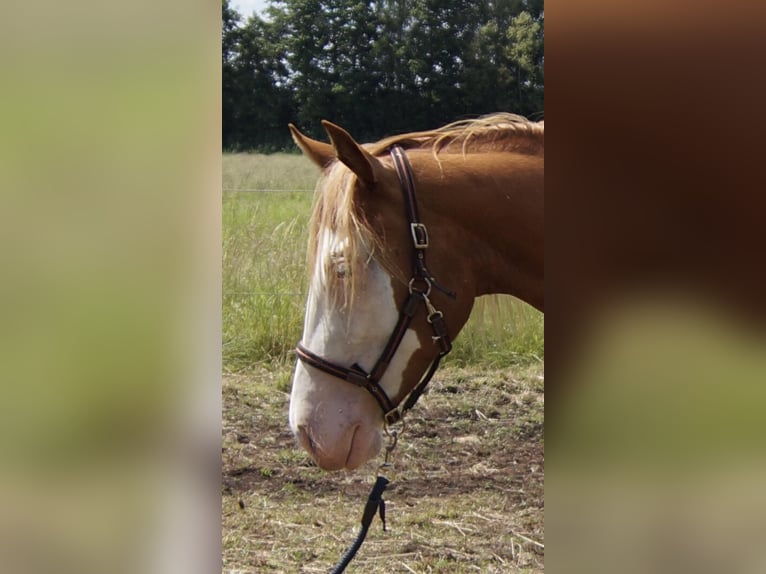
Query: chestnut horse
[[470, 195]]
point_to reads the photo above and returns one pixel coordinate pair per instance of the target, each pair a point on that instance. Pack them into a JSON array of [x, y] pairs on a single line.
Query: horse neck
[[486, 217]]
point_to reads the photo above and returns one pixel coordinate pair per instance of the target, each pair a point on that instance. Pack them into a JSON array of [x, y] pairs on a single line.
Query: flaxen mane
[[496, 132], [335, 213]]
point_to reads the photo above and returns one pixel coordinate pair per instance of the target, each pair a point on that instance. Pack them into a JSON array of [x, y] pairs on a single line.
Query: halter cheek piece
[[419, 291]]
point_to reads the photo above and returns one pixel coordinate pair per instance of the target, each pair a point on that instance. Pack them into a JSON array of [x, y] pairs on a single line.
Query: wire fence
[[261, 190], [262, 294]]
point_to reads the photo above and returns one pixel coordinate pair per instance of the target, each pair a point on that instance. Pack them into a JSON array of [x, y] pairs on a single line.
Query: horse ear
[[318, 152], [354, 156]]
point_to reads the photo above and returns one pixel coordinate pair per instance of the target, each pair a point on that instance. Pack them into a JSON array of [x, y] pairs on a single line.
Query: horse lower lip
[[352, 458], [348, 463]]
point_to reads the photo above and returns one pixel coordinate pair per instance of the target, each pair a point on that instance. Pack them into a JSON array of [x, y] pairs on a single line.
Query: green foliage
[[378, 67]]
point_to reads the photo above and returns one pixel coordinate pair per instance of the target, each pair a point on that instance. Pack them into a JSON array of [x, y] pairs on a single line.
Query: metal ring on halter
[[426, 280]]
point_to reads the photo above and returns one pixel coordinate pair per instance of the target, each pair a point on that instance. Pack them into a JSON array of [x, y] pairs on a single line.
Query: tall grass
[[264, 245], [264, 276], [274, 171], [501, 331]]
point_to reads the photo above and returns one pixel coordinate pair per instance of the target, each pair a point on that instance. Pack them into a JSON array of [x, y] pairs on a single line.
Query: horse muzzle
[[348, 448]]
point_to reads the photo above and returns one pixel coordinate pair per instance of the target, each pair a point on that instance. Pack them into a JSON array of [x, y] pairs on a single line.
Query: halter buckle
[[419, 235]]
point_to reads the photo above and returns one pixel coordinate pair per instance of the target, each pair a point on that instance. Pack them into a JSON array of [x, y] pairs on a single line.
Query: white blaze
[[347, 336]]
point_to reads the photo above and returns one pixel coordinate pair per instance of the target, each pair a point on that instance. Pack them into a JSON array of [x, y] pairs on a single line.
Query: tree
[[266, 103], [525, 51], [230, 37], [377, 66], [257, 103]]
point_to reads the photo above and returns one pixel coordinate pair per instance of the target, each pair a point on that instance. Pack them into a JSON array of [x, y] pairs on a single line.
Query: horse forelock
[[340, 237]]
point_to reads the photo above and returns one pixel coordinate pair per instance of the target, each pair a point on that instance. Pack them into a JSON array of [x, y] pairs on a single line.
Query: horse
[[405, 233]]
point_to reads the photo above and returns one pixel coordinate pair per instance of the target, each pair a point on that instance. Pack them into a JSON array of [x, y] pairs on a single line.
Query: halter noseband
[[419, 290]]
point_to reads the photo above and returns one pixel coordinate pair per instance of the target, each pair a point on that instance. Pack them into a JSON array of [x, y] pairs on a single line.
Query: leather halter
[[419, 290]]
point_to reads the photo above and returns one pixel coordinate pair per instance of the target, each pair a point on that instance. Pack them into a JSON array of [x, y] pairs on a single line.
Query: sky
[[247, 7]]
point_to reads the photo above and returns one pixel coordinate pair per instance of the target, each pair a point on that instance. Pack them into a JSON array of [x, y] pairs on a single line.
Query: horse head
[[361, 255]]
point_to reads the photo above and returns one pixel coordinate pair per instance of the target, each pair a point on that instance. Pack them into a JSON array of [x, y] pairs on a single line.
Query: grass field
[[467, 491]]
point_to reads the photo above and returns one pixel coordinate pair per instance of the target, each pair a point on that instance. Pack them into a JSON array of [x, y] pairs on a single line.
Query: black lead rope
[[375, 503]]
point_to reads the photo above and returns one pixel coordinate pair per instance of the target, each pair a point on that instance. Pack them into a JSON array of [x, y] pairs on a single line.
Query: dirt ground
[[466, 492]]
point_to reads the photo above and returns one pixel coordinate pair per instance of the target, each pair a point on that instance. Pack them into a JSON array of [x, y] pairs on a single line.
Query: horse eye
[[341, 267]]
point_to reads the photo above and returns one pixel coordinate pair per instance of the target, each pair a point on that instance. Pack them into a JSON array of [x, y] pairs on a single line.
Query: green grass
[[501, 331], [264, 276], [264, 244], [264, 279]]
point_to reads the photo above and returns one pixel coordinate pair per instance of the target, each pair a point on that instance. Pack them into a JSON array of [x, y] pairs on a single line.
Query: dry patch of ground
[[466, 493]]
